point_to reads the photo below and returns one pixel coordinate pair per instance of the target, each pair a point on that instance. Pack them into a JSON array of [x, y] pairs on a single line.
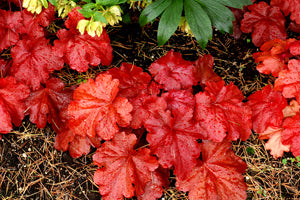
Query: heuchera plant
[[142, 124], [267, 21], [275, 111]]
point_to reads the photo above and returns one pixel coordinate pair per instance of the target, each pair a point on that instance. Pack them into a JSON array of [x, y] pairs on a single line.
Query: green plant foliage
[[201, 15], [250, 150], [169, 21]]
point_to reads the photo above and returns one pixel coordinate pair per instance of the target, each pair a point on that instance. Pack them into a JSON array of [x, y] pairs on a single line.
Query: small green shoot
[[81, 80], [261, 191], [284, 161], [250, 150]]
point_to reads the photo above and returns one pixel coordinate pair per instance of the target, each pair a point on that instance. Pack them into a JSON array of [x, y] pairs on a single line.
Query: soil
[[30, 167]]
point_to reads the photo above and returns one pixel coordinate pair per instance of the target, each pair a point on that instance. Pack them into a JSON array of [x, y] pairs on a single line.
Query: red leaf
[[203, 70], [10, 23], [80, 51], [266, 106], [154, 188], [31, 27], [63, 138], [291, 134], [46, 104], [275, 141], [238, 16], [96, 108], [74, 17], [283, 4], [77, 145], [173, 72], [124, 170], [294, 27], [34, 57], [173, 140], [143, 106], [133, 80], [295, 48], [179, 100], [217, 176], [81, 146], [288, 81], [289, 7], [219, 109], [12, 106], [265, 23], [274, 57], [46, 16]]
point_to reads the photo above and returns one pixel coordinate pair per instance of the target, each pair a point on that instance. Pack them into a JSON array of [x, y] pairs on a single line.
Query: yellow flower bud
[[98, 27], [26, 3], [116, 10], [113, 15], [82, 25], [64, 7], [89, 30], [35, 6]]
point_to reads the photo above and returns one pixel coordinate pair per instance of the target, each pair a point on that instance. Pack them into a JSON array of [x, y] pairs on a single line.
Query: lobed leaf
[[264, 22], [133, 81], [12, 106], [218, 175], [173, 72], [203, 70], [220, 110], [288, 81], [267, 106], [10, 27], [173, 140], [291, 134], [275, 141], [123, 170], [96, 108], [47, 103], [34, 56]]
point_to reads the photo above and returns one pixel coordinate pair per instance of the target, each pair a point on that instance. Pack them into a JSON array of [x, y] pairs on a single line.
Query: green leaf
[[88, 1], [53, 2], [153, 10], [234, 3], [221, 17], [198, 21], [99, 17], [293, 160], [298, 158], [87, 13], [284, 161], [250, 150], [169, 21], [89, 6], [110, 2], [126, 18]]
